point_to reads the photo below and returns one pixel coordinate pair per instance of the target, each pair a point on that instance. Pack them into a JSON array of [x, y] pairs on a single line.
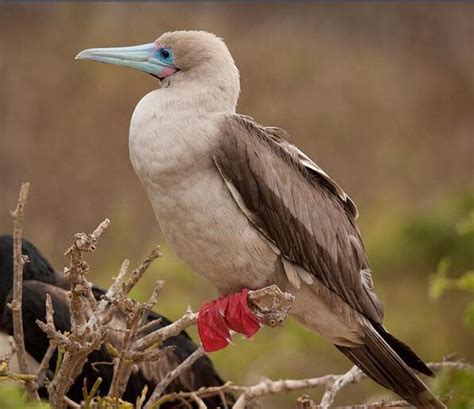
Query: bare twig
[[202, 393], [266, 387], [50, 330], [40, 372], [85, 335], [70, 403], [137, 274], [19, 261], [129, 354], [351, 376], [123, 365], [384, 403], [157, 337], [175, 373], [89, 396], [354, 375], [141, 399], [198, 401], [447, 364]]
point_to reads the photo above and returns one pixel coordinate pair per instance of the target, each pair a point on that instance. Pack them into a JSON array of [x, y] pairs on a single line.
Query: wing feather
[[298, 208]]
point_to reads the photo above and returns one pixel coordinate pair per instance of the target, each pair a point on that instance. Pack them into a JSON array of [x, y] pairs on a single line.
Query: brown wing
[[279, 137], [299, 210]]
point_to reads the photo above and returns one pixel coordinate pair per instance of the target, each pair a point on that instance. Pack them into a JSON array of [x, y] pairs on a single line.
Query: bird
[[245, 208], [40, 279]]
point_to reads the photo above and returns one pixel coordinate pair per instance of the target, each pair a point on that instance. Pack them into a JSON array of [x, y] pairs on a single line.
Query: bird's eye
[[165, 54]]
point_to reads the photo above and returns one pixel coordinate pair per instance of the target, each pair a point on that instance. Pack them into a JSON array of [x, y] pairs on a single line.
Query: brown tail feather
[[404, 352], [380, 362]]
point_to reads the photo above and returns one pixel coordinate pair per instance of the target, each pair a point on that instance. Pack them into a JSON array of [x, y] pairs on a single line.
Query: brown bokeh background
[[381, 96]]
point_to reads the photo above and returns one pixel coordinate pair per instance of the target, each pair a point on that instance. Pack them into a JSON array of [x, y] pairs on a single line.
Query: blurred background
[[381, 96]]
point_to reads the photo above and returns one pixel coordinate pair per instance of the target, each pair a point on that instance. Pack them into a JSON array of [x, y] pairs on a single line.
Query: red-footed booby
[[246, 209]]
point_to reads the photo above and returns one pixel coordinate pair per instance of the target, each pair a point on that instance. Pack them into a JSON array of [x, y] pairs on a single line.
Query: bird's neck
[[209, 88], [199, 99], [173, 122]]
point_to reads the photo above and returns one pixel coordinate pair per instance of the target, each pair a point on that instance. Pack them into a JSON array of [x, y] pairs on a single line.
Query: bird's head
[[176, 58]]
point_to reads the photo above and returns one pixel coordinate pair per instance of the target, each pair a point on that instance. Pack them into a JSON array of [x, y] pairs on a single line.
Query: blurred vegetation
[[12, 397], [464, 232], [459, 384], [418, 238], [380, 95]]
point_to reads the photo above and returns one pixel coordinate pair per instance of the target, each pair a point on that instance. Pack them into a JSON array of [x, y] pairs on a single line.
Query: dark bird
[[246, 209], [40, 279]]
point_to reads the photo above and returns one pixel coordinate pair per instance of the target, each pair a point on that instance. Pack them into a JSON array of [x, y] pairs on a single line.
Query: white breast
[[171, 152]]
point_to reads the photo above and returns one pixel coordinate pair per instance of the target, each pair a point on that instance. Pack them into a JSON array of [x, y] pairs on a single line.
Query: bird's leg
[[270, 305], [243, 312], [218, 317]]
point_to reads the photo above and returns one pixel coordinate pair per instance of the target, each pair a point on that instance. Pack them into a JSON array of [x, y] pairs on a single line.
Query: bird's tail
[[387, 361]]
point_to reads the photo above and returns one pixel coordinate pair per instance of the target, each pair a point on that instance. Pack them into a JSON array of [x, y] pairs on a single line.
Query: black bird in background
[[41, 279]]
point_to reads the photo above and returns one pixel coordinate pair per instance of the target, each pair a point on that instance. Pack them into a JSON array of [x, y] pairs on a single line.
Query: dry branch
[[137, 349], [334, 383], [44, 364], [175, 373], [266, 387], [272, 307], [157, 337], [86, 335], [137, 274], [355, 375], [19, 261], [352, 376], [90, 324], [128, 355]]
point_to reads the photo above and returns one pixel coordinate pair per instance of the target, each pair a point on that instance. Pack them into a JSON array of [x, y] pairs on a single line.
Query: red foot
[[217, 317]]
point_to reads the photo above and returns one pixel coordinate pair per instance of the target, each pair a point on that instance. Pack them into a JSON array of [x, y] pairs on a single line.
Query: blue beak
[[141, 57]]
